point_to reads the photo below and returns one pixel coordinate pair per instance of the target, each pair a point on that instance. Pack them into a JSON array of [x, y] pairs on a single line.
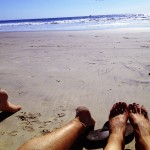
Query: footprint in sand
[[2, 133], [45, 124], [145, 46], [45, 131], [28, 128], [13, 133], [63, 107], [125, 38], [61, 115], [28, 121], [23, 92]]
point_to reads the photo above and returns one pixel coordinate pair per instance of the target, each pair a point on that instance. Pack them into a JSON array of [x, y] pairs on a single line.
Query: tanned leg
[[138, 117], [63, 138], [5, 105], [117, 123]]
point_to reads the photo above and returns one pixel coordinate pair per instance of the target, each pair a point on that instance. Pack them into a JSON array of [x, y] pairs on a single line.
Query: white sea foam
[[77, 23]]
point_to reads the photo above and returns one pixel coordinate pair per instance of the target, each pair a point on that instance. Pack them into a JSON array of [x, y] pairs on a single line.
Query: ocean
[[98, 22]]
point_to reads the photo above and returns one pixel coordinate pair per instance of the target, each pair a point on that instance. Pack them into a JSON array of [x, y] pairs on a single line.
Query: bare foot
[[5, 105], [118, 119], [84, 115], [139, 119], [117, 124]]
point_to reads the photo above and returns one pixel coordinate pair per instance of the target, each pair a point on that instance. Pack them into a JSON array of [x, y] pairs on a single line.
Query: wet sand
[[51, 73]]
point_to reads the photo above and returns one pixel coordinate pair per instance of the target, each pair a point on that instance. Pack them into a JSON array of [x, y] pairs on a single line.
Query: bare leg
[[63, 138], [139, 119], [117, 123], [5, 105]]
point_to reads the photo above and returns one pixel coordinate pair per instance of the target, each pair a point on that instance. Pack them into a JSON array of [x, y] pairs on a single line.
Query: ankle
[[118, 132], [117, 136], [143, 142], [115, 141], [76, 121]]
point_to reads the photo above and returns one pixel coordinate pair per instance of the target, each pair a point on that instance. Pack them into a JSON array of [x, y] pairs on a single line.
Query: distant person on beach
[[65, 137], [5, 105]]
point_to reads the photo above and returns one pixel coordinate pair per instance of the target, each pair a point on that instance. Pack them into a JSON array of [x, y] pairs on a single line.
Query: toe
[[144, 112], [117, 109]]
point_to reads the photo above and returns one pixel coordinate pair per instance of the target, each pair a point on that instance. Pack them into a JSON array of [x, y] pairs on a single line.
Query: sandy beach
[[51, 73]]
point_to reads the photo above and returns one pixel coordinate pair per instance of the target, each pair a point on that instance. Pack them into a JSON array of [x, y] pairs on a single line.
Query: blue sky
[[26, 9]]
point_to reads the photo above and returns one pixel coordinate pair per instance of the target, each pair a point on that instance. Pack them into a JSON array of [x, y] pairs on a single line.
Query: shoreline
[[51, 73], [128, 29]]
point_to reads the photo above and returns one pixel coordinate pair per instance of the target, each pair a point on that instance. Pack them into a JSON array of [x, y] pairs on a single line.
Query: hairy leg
[[117, 123], [5, 105], [138, 117], [63, 138]]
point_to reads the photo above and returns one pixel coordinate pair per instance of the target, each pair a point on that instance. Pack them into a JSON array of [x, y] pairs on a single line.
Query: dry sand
[[51, 73]]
